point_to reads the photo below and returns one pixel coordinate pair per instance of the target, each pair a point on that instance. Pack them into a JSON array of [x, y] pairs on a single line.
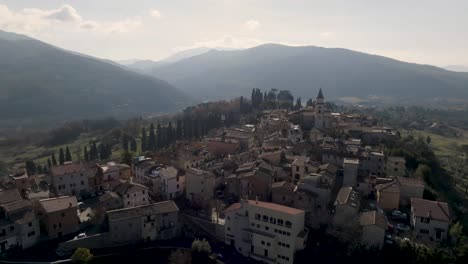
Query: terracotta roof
[[389, 187], [233, 207], [284, 184], [67, 168], [275, 207], [410, 181], [150, 209], [347, 195], [373, 218], [8, 196], [16, 205], [128, 187], [58, 203], [430, 209]]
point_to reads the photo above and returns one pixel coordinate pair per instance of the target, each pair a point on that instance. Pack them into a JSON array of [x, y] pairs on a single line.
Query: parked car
[[80, 236], [398, 215], [402, 227]]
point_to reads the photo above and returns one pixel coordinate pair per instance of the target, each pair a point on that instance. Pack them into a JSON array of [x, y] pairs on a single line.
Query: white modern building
[[266, 232]]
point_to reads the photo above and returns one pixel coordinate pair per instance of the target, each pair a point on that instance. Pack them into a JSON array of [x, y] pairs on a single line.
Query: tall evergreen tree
[[144, 144], [54, 161], [298, 103], [170, 133], [133, 144], [86, 154], [61, 157], [152, 139], [125, 142], [30, 167], [179, 129], [309, 102], [68, 156], [49, 163], [103, 153], [93, 153], [159, 142], [39, 169]]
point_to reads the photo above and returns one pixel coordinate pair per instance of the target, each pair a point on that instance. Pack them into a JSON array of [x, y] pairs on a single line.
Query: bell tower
[[319, 110]]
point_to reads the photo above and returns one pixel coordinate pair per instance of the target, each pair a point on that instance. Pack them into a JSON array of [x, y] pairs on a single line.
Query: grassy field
[[15, 156], [443, 146], [451, 157]]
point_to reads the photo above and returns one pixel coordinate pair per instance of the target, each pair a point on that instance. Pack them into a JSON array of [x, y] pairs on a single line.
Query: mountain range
[[41, 82], [341, 73]]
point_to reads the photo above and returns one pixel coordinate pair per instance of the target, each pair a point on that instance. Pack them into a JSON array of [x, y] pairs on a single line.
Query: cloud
[[65, 13], [226, 41], [327, 34], [34, 20], [251, 25], [155, 13]]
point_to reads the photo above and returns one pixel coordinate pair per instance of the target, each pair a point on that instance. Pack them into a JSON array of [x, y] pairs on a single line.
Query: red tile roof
[[430, 209]]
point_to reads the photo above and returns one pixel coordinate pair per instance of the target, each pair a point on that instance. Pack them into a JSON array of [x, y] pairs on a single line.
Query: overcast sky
[[424, 31]]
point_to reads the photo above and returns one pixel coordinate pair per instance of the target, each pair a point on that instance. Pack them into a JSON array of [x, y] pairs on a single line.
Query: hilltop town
[[261, 185]]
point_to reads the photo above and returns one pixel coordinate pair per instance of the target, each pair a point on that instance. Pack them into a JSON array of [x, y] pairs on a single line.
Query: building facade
[[266, 232]]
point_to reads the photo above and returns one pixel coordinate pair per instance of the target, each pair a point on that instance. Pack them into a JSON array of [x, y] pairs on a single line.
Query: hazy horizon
[[425, 32]]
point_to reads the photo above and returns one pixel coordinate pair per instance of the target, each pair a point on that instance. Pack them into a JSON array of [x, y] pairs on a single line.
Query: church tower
[[319, 110]]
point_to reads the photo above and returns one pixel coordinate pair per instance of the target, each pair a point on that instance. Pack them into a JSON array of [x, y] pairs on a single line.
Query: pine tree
[[61, 157], [93, 153], [152, 139], [298, 103], [102, 151], [126, 158], [49, 163], [39, 169], [309, 102], [125, 143], [159, 142], [133, 145], [54, 161], [86, 154], [170, 133], [68, 156], [30, 167], [144, 144], [179, 129]]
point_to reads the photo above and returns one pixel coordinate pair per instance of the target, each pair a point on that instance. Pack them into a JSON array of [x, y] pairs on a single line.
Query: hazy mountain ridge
[[340, 72], [38, 80]]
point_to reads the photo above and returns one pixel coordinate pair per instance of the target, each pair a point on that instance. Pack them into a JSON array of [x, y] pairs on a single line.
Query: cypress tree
[[159, 142], [30, 167], [49, 163], [61, 157], [133, 145], [170, 133], [298, 103], [125, 142], [102, 151], [68, 156], [86, 154], [179, 129], [144, 144], [54, 161], [152, 139], [93, 153]]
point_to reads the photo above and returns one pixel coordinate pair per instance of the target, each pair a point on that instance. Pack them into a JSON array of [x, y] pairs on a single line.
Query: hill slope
[[39, 81], [340, 72]]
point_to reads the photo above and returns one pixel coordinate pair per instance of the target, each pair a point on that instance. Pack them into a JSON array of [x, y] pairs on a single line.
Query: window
[[267, 228], [280, 222], [82, 182], [12, 228], [425, 220], [63, 214], [272, 220], [263, 242], [268, 244], [297, 168], [228, 229], [30, 224], [424, 231], [265, 218], [288, 224], [143, 191]]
